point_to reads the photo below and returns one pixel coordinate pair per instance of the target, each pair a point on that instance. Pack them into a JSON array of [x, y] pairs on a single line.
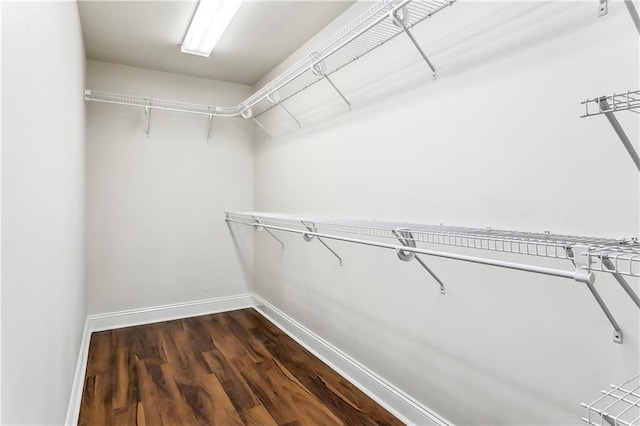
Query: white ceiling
[[148, 34]]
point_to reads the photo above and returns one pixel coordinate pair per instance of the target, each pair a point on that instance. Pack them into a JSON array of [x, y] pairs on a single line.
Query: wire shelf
[[140, 101], [370, 30], [618, 405], [621, 256], [624, 101]]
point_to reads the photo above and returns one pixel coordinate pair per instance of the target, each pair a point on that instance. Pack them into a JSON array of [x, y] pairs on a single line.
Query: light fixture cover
[[211, 19]]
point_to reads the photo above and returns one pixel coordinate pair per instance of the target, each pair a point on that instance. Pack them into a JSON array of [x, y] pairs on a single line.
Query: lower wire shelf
[[618, 406], [584, 256]]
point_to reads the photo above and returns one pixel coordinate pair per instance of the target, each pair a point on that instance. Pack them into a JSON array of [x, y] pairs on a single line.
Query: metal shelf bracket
[[579, 257], [258, 227], [248, 113], [406, 239], [311, 227], [319, 69], [607, 111], [603, 7], [209, 131], [634, 14], [274, 98], [400, 17], [147, 112], [607, 263]]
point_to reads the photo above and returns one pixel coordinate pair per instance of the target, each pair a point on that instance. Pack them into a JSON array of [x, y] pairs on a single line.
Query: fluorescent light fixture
[[211, 19]]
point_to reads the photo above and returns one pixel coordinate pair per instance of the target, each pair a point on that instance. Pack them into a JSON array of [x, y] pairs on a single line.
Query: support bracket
[[311, 227], [210, 125], [248, 113], [606, 110], [147, 112], [400, 18], [319, 69], [257, 225], [607, 263], [580, 259], [634, 13], [603, 7], [274, 98], [406, 239]]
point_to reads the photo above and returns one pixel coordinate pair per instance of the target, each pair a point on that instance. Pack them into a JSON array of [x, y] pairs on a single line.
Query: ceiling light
[[209, 22]]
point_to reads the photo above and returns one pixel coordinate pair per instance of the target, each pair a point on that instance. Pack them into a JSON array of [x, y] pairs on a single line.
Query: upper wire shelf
[[622, 256], [618, 406], [371, 30], [382, 22]]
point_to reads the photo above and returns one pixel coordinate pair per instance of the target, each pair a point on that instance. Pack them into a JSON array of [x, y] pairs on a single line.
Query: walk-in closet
[[322, 212]]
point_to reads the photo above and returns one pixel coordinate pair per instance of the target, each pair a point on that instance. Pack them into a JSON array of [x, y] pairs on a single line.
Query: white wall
[[496, 141], [155, 206], [43, 306]]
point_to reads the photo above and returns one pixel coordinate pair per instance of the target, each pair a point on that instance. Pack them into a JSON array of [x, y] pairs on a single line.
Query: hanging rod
[[608, 106], [586, 254]]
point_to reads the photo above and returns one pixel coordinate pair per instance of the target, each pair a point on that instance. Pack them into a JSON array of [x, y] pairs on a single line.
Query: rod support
[[261, 126], [326, 77], [209, 130], [147, 112], [274, 98], [623, 283], [400, 18], [311, 227], [257, 225], [634, 14], [406, 239], [581, 260]]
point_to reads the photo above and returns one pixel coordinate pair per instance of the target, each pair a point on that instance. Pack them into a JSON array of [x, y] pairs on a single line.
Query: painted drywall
[[156, 233], [43, 299], [497, 140]]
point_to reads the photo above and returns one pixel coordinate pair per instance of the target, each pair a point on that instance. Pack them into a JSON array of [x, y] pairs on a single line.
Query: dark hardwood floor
[[233, 368]]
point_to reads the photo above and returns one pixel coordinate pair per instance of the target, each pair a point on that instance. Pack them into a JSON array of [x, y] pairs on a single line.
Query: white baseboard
[[141, 316], [173, 311], [398, 403], [78, 379], [394, 400]]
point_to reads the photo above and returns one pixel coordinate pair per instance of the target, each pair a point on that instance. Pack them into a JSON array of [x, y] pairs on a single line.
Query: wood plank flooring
[[233, 368]]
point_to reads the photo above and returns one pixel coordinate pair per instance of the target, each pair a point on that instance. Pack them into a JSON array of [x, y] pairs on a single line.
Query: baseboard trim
[[133, 317], [401, 405], [78, 378]]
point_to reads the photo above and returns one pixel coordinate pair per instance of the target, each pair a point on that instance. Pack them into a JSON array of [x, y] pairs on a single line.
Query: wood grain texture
[[233, 368]]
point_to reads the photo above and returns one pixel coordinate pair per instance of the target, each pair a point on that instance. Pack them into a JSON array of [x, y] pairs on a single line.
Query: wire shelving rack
[[618, 406], [382, 22], [585, 255]]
